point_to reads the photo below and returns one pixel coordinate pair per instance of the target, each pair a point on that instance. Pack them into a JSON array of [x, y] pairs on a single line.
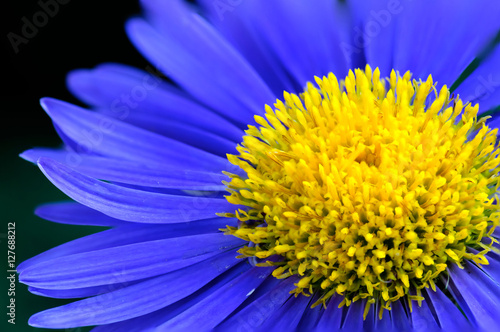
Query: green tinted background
[[23, 188]]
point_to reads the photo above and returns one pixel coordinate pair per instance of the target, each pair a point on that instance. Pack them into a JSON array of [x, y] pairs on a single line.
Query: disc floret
[[367, 188]]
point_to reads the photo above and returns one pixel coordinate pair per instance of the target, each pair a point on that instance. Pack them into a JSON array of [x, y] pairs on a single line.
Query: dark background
[[81, 34]]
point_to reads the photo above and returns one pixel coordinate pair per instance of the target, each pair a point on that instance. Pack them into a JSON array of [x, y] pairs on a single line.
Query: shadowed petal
[[104, 135], [76, 214], [209, 312], [130, 204], [113, 88], [135, 300], [152, 321], [127, 262], [125, 235], [130, 172], [477, 295]]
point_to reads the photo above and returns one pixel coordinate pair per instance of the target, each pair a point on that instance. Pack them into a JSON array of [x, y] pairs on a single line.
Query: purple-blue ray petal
[[476, 294], [195, 137], [150, 322], [288, 316], [448, 316], [422, 318], [496, 233], [311, 316], [73, 213], [353, 320], [399, 317], [238, 27], [212, 310], [104, 135], [213, 81], [494, 123], [204, 41], [136, 300], [74, 293], [130, 172], [493, 267], [306, 39], [452, 36], [69, 143], [142, 97], [263, 305], [483, 85], [373, 32], [373, 323], [332, 317], [267, 285], [130, 204], [126, 263], [310, 319], [125, 235]]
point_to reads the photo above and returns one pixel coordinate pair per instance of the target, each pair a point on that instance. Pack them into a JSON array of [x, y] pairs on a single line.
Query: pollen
[[366, 187]]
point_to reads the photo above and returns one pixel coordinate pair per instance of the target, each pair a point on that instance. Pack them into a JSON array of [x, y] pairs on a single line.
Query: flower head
[[364, 197], [367, 193]]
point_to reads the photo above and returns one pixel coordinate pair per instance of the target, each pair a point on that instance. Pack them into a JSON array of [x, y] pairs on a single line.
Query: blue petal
[[399, 317], [448, 316], [226, 67], [130, 172], [130, 204], [150, 322], [125, 263], [135, 300], [306, 39], [496, 233], [125, 235], [161, 109], [373, 32], [70, 143], [292, 38], [186, 134], [81, 292], [288, 316], [256, 312], [209, 312], [482, 86], [332, 317], [452, 35], [76, 214], [493, 268], [422, 318], [217, 77], [104, 135], [113, 87], [374, 324], [311, 316], [353, 320], [477, 295], [267, 285], [240, 29]]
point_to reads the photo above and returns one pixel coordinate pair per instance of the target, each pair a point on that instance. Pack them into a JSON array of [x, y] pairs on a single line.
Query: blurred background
[[71, 34]]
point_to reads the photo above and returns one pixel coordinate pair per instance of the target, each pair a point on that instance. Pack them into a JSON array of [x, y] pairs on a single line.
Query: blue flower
[[364, 200]]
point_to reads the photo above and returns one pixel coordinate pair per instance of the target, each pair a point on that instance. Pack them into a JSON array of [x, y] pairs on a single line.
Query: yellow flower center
[[366, 188]]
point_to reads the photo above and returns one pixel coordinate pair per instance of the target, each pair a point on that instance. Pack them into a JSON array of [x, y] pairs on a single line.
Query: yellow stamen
[[367, 190]]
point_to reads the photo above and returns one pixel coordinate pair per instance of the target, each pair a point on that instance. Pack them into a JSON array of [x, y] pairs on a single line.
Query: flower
[[360, 200]]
